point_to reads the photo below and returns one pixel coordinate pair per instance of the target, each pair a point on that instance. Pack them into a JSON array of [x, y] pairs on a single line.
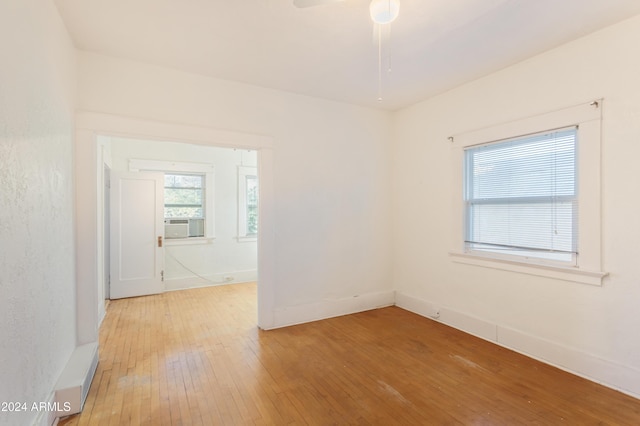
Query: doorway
[[93, 131], [222, 202]]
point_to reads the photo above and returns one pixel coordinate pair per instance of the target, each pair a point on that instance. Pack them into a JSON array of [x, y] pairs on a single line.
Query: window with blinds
[[521, 197]]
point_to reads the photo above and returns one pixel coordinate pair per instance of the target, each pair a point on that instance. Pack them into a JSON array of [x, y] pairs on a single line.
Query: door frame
[[91, 153], [106, 226]]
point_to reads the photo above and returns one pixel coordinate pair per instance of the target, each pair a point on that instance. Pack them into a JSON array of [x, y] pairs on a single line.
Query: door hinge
[[161, 275]]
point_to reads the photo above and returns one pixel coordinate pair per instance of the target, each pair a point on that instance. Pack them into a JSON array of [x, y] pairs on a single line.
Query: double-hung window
[[247, 203], [521, 197], [529, 197], [188, 199], [184, 205], [184, 196]]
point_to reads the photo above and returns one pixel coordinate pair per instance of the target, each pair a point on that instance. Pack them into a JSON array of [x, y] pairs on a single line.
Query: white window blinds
[[521, 196]]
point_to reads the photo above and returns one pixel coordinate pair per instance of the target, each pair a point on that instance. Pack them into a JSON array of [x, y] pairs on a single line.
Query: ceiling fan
[[382, 11]]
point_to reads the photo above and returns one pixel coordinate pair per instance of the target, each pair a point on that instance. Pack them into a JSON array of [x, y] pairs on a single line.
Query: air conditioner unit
[[176, 228], [196, 227]]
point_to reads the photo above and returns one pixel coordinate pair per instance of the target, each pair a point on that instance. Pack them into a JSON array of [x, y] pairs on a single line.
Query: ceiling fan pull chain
[[379, 62], [389, 51]]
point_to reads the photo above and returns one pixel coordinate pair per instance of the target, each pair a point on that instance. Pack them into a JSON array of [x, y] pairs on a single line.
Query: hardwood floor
[[196, 357]]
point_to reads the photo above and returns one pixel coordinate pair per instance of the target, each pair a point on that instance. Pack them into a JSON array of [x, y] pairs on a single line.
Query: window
[[531, 204], [184, 196], [188, 199], [247, 203], [521, 197], [251, 183]]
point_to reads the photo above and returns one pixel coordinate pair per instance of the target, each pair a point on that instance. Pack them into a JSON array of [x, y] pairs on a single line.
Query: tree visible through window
[[184, 196], [247, 203], [252, 204]]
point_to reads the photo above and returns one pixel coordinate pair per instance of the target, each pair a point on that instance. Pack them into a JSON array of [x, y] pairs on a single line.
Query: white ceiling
[[329, 51]]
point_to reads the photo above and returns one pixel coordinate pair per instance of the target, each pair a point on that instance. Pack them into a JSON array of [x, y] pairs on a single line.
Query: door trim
[[89, 127]]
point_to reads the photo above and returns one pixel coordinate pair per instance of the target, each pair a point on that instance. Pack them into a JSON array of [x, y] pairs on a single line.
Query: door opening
[[224, 251]]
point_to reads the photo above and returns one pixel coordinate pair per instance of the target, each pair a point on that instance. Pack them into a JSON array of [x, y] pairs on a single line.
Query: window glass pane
[[542, 165], [252, 204], [183, 181], [521, 194], [183, 212], [183, 196], [543, 226]]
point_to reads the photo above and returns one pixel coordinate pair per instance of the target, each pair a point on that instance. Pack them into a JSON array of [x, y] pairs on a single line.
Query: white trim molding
[[588, 118], [118, 125], [548, 271]]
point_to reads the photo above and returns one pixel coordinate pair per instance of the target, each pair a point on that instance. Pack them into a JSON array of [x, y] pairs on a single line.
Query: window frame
[[203, 188], [588, 268], [519, 253], [243, 173], [138, 165]]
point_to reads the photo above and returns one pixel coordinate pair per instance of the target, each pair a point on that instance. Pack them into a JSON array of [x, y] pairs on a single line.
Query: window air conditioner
[[176, 228], [196, 227], [183, 228]]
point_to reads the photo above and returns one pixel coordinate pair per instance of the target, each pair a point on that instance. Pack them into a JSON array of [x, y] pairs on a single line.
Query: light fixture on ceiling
[[384, 11]]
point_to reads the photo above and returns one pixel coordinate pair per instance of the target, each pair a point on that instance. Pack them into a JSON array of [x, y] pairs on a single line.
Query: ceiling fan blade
[[310, 3]]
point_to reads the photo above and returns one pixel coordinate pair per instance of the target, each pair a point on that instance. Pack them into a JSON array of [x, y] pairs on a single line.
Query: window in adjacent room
[[188, 199], [247, 203], [183, 196], [184, 205], [521, 197]]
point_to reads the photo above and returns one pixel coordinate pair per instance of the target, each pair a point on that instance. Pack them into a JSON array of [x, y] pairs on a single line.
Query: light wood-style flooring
[[196, 357]]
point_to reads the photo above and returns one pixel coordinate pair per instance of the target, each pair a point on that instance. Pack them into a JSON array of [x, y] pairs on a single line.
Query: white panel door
[[137, 228]]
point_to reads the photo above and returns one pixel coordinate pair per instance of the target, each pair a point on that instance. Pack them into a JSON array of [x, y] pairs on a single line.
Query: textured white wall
[[594, 323], [37, 100], [330, 164]]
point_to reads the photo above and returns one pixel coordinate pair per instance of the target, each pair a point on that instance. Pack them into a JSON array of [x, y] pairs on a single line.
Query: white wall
[[37, 282], [226, 255], [331, 176], [590, 330]]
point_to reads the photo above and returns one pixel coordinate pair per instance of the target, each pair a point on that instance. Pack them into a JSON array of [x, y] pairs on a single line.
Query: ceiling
[[329, 51]]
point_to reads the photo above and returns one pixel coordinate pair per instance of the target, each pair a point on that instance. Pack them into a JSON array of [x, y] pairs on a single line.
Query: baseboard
[[613, 375], [329, 308], [236, 277], [74, 382]]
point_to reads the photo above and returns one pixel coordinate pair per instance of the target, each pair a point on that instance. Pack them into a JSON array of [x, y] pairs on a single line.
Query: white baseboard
[[619, 377], [236, 277], [329, 308]]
